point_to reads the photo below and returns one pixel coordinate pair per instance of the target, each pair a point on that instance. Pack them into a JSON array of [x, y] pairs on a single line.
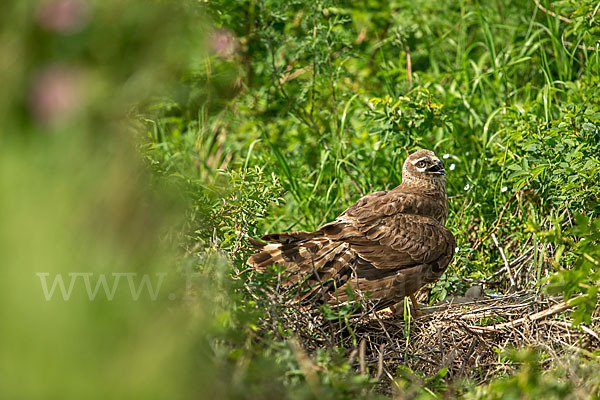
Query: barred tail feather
[[294, 250], [317, 264]]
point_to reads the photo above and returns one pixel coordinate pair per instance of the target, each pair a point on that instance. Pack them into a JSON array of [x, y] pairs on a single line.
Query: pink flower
[[55, 94], [223, 43], [63, 16]]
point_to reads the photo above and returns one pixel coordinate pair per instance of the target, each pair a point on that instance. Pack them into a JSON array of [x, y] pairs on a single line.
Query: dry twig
[[552, 13], [506, 264]]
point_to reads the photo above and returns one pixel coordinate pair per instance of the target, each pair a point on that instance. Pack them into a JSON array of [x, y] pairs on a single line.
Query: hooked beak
[[437, 168]]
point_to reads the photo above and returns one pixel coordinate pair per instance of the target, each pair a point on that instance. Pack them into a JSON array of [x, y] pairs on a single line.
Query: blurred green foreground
[[75, 200]]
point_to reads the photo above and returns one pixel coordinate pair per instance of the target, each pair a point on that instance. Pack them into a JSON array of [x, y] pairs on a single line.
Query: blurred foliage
[[571, 380]]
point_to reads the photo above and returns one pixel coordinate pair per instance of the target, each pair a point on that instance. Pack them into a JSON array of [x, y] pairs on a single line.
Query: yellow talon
[[416, 306]]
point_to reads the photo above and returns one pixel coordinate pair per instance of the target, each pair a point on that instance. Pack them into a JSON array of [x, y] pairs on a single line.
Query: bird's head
[[423, 165]]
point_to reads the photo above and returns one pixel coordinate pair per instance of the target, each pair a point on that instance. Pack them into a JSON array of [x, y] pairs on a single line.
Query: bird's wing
[[403, 241], [382, 204], [381, 229]]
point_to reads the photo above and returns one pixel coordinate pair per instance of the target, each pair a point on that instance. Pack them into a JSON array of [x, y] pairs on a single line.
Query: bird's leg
[[415, 305]]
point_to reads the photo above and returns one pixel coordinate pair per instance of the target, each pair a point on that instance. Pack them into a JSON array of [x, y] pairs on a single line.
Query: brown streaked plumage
[[386, 246]]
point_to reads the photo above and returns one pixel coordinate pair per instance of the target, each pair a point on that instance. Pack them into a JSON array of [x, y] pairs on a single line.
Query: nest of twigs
[[464, 338]]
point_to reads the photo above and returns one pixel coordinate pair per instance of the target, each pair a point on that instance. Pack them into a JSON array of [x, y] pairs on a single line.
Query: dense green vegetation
[[153, 137]]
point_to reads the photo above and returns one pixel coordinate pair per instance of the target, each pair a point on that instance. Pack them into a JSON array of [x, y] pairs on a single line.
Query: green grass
[[330, 107], [333, 117]]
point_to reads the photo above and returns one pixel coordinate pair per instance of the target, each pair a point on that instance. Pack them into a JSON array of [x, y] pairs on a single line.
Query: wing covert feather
[[401, 240]]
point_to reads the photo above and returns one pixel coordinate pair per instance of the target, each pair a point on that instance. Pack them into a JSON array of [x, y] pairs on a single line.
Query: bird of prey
[[385, 247]]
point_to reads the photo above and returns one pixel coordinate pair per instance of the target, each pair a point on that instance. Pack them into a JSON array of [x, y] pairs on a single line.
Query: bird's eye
[[421, 164]]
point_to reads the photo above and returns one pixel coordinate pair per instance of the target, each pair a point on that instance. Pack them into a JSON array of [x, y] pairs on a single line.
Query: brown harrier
[[385, 247]]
